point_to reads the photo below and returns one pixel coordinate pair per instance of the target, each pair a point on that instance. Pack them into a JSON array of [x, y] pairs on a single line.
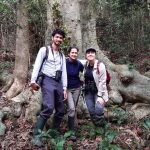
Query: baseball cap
[[91, 50]]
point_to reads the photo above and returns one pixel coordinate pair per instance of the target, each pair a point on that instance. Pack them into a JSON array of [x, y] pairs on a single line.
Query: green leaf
[[114, 147], [146, 124], [69, 147], [104, 145], [99, 131], [68, 134], [92, 133], [110, 135], [60, 145]]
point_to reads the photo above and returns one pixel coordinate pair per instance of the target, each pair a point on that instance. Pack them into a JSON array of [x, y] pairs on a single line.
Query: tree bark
[[72, 21], [22, 52], [50, 25], [126, 83]]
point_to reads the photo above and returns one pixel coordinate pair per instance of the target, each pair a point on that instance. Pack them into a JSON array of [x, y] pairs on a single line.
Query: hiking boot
[[73, 137], [36, 141], [56, 123], [71, 128], [39, 126]]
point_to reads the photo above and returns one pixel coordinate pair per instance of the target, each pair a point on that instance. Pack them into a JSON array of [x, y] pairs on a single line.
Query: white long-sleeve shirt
[[55, 61]]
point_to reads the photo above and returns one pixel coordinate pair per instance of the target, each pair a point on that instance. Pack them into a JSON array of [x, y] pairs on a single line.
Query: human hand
[[65, 94], [100, 100], [35, 86]]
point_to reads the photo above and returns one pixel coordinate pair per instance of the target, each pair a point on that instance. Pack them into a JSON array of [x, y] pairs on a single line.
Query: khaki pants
[[73, 96]]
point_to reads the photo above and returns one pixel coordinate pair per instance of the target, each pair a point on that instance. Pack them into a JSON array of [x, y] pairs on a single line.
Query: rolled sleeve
[[64, 73], [37, 65], [102, 88]]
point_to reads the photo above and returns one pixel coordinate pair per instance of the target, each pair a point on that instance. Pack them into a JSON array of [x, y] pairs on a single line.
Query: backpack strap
[[45, 58], [47, 52], [86, 65], [60, 53], [98, 67]]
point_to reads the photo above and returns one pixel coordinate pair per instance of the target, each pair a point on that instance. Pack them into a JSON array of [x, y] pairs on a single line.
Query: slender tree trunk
[[22, 52]]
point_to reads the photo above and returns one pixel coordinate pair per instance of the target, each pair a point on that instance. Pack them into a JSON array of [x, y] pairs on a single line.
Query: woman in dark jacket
[[74, 68]]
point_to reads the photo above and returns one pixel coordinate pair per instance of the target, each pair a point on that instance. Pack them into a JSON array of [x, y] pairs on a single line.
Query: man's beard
[[57, 43]]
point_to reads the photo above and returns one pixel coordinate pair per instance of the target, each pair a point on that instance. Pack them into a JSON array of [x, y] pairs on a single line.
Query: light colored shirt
[[55, 61], [99, 78]]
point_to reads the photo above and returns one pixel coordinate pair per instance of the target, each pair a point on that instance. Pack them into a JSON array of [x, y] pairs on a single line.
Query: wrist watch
[[99, 96]]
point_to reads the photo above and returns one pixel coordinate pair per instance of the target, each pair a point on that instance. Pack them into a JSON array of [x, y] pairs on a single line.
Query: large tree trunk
[[72, 21], [126, 83], [88, 26], [22, 52], [69, 19]]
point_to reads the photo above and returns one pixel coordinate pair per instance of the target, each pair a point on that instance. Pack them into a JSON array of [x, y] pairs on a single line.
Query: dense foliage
[[123, 28], [37, 23], [8, 24]]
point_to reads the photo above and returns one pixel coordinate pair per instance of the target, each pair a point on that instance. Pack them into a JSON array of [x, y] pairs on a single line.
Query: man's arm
[[36, 68], [64, 77], [102, 88], [64, 73], [37, 64]]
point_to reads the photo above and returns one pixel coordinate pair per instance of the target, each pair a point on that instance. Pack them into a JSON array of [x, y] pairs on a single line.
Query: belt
[[53, 78]]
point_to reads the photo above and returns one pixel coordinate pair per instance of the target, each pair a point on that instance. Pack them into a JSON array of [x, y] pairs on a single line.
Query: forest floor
[[129, 134]]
